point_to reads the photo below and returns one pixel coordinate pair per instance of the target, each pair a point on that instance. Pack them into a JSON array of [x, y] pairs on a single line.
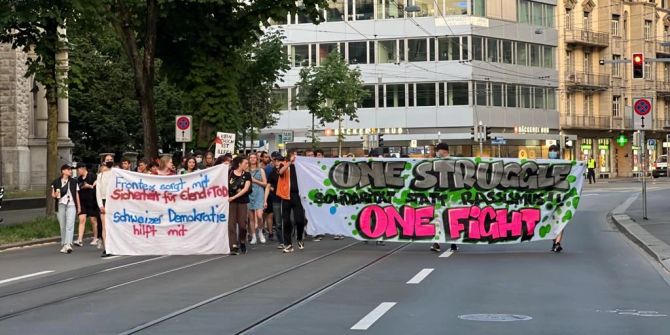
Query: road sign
[[183, 129], [642, 107], [651, 142], [287, 136], [498, 140]]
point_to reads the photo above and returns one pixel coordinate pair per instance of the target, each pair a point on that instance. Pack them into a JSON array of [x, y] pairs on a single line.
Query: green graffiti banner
[[454, 200]]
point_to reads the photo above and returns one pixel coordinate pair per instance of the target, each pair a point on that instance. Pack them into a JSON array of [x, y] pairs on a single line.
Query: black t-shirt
[[273, 179], [294, 180], [86, 194], [236, 184]]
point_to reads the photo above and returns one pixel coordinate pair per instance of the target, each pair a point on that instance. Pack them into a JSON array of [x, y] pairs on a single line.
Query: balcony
[[661, 124], [619, 122], [663, 48], [587, 37], [587, 81], [586, 121], [663, 88]]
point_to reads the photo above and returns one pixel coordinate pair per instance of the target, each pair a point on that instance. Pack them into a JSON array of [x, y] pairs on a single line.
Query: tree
[[331, 92], [38, 28]]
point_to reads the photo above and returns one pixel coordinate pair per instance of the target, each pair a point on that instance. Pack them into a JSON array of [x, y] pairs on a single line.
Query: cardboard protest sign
[[453, 200], [225, 144], [167, 215]]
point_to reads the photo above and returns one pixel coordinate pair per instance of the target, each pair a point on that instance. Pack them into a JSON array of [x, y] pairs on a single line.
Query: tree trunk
[[313, 134], [52, 144], [340, 137], [251, 136]]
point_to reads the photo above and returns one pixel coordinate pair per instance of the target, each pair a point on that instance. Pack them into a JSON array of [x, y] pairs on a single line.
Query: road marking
[[420, 276], [131, 264], [590, 194], [164, 272], [446, 254], [25, 276], [373, 316]]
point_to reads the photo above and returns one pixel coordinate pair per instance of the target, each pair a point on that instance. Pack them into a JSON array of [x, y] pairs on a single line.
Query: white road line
[[590, 194], [419, 277], [164, 272], [446, 254], [373, 316], [131, 264], [25, 276]]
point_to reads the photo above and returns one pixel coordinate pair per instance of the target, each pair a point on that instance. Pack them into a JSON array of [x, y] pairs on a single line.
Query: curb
[[648, 242], [29, 243]]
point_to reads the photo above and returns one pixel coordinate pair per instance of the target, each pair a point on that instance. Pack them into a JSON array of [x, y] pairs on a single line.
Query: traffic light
[[638, 65], [473, 134], [487, 133], [380, 140]]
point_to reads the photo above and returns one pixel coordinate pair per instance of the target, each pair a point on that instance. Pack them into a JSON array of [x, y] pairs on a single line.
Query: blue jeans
[[278, 223], [66, 216]]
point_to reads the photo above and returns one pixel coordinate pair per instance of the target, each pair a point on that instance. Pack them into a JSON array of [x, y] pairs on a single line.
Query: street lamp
[[412, 9]]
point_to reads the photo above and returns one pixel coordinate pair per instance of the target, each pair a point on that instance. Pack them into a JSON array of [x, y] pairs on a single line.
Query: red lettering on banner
[[143, 229], [119, 194], [181, 231], [415, 223]]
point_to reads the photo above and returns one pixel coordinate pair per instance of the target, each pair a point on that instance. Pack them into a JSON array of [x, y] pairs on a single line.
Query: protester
[[442, 151], [239, 184], [318, 153], [287, 190], [591, 165], [556, 245], [199, 160], [143, 166], [152, 169], [257, 199], [166, 167], [265, 159], [191, 166], [209, 159], [88, 205], [103, 179], [274, 203], [309, 153], [126, 164], [66, 194]]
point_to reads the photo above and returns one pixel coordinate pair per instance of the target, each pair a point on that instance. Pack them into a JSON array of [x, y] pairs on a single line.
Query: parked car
[[660, 167]]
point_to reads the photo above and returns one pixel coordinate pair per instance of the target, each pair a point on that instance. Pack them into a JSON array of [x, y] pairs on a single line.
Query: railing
[[586, 37], [663, 48], [619, 122], [616, 45], [663, 87], [586, 121], [661, 124], [587, 79]]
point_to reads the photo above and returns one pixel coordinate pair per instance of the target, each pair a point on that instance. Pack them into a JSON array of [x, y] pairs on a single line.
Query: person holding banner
[[442, 151], [100, 188], [287, 190], [65, 192], [191, 166], [239, 184], [258, 199], [556, 246]]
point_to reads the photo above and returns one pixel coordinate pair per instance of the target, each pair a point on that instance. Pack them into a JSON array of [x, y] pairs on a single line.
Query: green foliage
[[43, 227]]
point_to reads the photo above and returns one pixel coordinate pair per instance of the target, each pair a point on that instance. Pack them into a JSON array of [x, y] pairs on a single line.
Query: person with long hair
[[191, 166], [258, 199], [100, 188], [165, 166], [65, 192], [239, 184]]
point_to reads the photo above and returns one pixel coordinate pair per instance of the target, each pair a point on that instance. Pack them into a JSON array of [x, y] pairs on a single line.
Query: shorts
[[89, 209]]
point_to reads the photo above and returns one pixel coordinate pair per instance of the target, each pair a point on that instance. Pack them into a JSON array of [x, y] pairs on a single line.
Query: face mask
[[553, 155], [198, 160], [109, 164]]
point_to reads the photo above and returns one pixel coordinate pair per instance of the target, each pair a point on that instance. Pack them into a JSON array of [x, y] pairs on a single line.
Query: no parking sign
[[183, 129]]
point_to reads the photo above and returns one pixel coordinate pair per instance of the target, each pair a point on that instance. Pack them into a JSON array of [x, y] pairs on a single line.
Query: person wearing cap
[[442, 151], [89, 205], [65, 192], [554, 153], [273, 201], [287, 190]]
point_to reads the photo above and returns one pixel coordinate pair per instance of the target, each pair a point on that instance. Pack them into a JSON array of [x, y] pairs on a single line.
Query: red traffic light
[[638, 59], [638, 65]]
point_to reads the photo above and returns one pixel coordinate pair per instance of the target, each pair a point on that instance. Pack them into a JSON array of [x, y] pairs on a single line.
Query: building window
[[615, 25], [616, 67], [511, 96], [525, 96], [549, 57], [425, 94], [454, 7], [417, 50], [480, 94], [281, 97], [523, 11], [666, 72], [491, 50], [369, 100], [496, 95], [427, 7], [647, 71], [441, 94], [550, 13], [537, 13], [477, 48], [326, 49], [387, 52], [335, 11], [357, 52], [365, 10], [448, 48], [539, 98], [569, 61], [551, 99], [522, 53], [647, 30], [478, 7], [616, 106], [535, 59], [588, 104], [395, 95], [300, 55], [666, 108], [568, 19], [507, 51], [587, 62], [569, 104], [586, 22], [457, 94]]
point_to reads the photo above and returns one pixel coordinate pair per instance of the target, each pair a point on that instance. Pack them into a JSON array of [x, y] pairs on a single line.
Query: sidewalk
[[652, 234]]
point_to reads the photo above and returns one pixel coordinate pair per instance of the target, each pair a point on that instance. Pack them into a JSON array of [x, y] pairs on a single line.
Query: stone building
[[23, 125]]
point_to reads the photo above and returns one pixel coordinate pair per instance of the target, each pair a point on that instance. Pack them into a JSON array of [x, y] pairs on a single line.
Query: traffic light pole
[[643, 161]]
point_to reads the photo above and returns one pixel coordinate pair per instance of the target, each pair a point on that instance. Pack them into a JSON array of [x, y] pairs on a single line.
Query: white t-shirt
[[67, 199]]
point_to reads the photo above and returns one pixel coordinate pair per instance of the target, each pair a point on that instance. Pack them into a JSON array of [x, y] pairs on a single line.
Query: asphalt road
[[21, 215], [601, 284]]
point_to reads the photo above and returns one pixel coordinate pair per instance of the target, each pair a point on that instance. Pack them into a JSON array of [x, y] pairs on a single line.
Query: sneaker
[[287, 249], [301, 245], [261, 237], [435, 247], [558, 248], [253, 239], [64, 249], [280, 246], [271, 236], [235, 251], [453, 247], [318, 238], [94, 241], [553, 246], [69, 248], [105, 254], [78, 243], [380, 243], [100, 245], [243, 248], [338, 237]]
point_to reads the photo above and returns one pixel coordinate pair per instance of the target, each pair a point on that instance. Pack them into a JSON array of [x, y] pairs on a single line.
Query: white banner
[[167, 215], [225, 144], [454, 200]]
